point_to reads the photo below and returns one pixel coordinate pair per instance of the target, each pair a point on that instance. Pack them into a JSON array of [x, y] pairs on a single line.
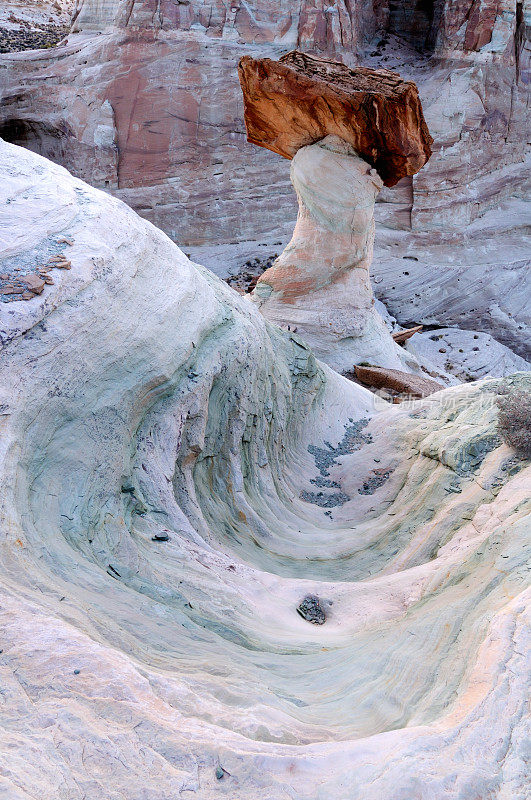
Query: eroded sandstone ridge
[[332, 121], [300, 99], [177, 479]]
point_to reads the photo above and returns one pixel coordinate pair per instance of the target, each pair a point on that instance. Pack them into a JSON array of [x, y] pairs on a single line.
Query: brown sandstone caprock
[[300, 99]]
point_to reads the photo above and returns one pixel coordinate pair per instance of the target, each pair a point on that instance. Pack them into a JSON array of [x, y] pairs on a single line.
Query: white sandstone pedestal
[[320, 284]]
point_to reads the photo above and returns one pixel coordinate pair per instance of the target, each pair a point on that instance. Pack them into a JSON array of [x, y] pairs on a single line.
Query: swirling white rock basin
[[140, 396]]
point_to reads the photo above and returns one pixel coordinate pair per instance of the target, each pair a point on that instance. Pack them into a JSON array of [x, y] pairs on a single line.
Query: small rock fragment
[[33, 282], [220, 772], [160, 537], [396, 380], [402, 336], [311, 610]]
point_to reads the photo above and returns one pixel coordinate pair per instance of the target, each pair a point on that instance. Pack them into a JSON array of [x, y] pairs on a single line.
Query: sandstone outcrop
[[319, 286], [171, 492], [300, 99]]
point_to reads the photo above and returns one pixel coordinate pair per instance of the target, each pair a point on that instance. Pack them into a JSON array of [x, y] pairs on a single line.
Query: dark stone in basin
[[311, 610]]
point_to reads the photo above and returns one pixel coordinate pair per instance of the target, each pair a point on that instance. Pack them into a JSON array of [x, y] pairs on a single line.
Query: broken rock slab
[[397, 381]]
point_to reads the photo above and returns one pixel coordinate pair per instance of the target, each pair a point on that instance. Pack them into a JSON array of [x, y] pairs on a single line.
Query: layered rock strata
[[144, 101], [300, 99], [173, 491]]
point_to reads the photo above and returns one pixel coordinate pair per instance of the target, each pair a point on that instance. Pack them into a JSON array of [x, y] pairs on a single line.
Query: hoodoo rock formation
[[182, 499], [320, 284], [300, 99]]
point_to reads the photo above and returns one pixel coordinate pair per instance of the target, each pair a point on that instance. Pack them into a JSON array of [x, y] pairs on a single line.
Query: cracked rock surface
[[300, 99]]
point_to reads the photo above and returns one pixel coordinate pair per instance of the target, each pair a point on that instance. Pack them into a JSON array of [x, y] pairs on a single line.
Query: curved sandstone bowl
[[140, 398]]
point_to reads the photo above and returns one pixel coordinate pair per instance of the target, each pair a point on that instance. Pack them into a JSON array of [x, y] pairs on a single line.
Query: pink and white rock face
[[144, 101]]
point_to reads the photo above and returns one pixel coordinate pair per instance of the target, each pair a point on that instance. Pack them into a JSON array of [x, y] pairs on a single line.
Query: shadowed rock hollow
[[140, 399]]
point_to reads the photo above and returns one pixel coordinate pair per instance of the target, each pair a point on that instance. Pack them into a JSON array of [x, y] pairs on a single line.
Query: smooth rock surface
[[469, 355], [319, 286], [133, 669]]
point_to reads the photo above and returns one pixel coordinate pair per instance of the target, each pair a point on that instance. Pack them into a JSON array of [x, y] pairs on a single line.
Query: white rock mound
[[176, 476], [468, 355]]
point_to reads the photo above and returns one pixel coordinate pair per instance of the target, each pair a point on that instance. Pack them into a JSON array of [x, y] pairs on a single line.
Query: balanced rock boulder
[[347, 132], [300, 99]]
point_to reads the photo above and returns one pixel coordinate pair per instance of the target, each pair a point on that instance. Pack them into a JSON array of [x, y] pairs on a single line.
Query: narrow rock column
[[320, 284]]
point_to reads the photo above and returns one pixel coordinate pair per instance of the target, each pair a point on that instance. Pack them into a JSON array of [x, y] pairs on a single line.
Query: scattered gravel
[[12, 40], [352, 440], [247, 277], [325, 500], [376, 479], [325, 458]]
